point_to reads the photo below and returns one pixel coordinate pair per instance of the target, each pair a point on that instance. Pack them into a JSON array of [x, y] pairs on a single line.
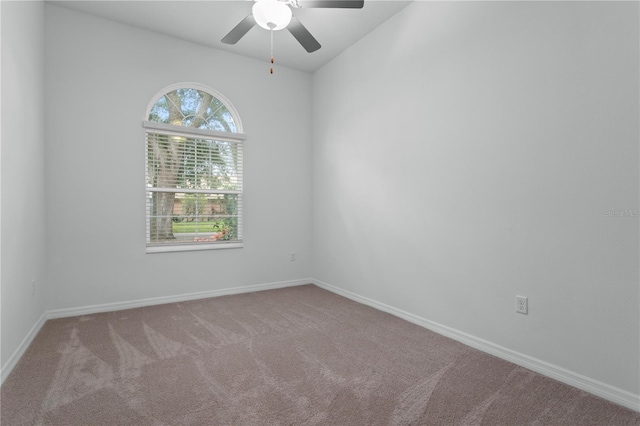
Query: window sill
[[193, 247]]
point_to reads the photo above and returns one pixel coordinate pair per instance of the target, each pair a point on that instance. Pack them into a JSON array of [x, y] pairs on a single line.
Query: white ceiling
[[207, 22]]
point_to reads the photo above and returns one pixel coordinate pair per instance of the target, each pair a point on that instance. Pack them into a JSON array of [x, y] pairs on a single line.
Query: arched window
[[193, 170]]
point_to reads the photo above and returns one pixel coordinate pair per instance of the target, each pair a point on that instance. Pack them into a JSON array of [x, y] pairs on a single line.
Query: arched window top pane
[[195, 108]]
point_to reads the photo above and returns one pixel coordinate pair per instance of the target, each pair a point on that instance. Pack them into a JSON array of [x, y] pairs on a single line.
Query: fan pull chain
[[271, 70]]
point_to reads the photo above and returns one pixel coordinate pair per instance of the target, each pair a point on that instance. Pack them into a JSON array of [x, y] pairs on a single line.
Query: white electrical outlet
[[293, 256], [33, 287], [522, 305]]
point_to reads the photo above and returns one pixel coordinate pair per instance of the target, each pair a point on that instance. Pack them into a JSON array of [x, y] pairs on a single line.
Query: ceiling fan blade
[[341, 4], [240, 30], [303, 35]]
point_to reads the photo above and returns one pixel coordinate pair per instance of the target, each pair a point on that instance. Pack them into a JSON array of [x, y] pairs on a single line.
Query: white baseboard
[[108, 307], [118, 306], [8, 367], [579, 381], [587, 384]]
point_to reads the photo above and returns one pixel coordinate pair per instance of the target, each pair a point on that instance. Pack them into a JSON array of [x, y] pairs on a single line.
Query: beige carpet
[[295, 356]]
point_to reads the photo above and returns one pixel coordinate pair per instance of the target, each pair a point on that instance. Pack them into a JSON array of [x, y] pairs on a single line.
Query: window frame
[[190, 132]]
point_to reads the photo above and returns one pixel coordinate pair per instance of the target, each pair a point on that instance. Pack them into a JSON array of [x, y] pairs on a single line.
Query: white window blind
[[193, 188]]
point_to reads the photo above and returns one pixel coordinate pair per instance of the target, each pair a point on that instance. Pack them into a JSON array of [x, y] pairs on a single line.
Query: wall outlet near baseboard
[[293, 256], [522, 305]]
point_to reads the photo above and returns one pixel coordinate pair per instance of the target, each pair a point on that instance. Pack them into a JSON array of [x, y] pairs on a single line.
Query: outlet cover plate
[[522, 305]]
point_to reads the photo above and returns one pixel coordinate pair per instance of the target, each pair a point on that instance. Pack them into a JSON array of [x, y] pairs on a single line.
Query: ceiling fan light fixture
[[272, 14]]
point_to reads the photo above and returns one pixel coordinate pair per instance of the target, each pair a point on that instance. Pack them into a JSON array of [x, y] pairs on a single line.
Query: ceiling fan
[[276, 15]]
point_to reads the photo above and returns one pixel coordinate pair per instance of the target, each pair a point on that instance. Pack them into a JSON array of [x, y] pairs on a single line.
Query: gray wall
[[100, 77], [22, 170], [466, 153]]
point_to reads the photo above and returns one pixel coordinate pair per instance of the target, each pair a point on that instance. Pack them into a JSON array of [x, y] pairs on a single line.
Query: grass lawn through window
[[192, 227]]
